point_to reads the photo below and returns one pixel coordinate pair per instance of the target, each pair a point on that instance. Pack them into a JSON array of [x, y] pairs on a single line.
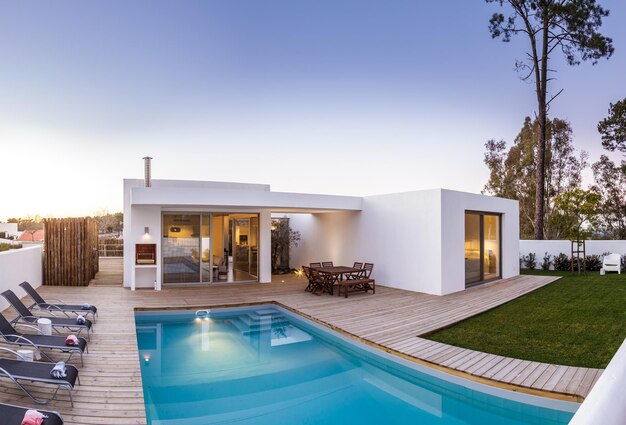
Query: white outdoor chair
[[612, 263]]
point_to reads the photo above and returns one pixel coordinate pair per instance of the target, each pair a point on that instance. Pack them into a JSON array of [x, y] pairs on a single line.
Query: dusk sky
[[350, 97]]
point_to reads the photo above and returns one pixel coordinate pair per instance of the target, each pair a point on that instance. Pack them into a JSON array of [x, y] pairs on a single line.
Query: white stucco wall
[[17, 266], [416, 240], [555, 247], [454, 205], [328, 235]]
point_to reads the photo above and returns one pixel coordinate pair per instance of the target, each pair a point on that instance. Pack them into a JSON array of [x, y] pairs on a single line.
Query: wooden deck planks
[[111, 389]]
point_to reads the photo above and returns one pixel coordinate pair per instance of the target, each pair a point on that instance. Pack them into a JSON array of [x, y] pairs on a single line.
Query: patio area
[[111, 391]]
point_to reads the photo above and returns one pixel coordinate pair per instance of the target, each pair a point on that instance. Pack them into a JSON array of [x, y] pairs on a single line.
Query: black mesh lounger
[[57, 322], [13, 415], [39, 372], [49, 342], [41, 304]]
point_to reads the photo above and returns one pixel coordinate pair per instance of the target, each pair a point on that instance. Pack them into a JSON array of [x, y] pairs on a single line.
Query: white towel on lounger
[[59, 370]]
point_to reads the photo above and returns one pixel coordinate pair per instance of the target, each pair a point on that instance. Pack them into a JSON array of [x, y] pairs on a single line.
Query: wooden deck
[[111, 391]]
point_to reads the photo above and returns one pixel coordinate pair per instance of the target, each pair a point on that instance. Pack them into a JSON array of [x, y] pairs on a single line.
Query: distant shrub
[[593, 263], [547, 261], [7, 246], [530, 261], [624, 262], [561, 262]]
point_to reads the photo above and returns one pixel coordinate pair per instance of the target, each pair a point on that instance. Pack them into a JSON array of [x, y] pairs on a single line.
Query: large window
[[210, 247], [482, 247]]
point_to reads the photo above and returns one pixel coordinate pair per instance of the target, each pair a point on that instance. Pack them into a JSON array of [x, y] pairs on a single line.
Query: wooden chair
[[355, 275], [321, 283], [222, 269], [367, 270], [327, 264], [307, 273], [315, 264]]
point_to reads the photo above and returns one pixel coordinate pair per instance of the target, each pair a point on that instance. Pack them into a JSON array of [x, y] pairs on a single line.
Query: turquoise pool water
[[263, 365]]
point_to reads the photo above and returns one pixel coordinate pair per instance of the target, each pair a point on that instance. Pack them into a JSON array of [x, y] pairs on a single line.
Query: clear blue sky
[[348, 97]]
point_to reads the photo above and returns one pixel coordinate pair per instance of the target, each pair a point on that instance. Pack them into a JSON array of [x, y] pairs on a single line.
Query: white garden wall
[[555, 247], [17, 266]]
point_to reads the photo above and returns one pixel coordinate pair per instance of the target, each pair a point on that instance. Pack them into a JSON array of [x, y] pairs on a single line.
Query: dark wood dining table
[[336, 273]]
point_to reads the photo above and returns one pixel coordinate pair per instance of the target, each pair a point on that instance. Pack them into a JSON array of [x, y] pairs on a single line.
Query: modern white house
[[10, 230], [201, 233]]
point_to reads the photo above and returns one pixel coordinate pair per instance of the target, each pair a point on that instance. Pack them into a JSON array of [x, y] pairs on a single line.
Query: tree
[[613, 127], [577, 211], [283, 238], [568, 25], [108, 222], [610, 184], [512, 172], [30, 224]]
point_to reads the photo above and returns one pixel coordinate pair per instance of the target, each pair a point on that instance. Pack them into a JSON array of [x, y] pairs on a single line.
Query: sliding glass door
[[211, 247], [245, 229], [482, 247], [181, 248]]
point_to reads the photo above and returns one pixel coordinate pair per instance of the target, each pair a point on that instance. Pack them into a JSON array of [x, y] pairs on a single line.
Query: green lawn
[[576, 321]]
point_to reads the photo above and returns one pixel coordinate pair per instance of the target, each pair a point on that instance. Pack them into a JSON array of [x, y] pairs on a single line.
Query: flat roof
[[177, 193]]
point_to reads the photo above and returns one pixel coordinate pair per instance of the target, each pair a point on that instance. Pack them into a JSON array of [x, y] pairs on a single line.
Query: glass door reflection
[[181, 248], [491, 247], [482, 247], [472, 248]]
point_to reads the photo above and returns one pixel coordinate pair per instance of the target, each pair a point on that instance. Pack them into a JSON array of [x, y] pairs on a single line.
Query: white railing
[[606, 403], [19, 265]]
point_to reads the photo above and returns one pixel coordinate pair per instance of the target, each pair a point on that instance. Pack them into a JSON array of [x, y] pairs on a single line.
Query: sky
[[353, 97]]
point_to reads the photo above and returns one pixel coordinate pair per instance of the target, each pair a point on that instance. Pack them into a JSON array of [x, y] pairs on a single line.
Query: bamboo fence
[[70, 251]]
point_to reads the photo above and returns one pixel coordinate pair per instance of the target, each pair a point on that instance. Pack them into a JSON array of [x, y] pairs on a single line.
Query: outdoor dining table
[[336, 273]]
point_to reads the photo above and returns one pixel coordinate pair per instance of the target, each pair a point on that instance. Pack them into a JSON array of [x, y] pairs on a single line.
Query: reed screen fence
[[70, 251]]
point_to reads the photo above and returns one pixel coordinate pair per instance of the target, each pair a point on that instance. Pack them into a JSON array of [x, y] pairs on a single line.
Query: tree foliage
[[283, 239], [613, 128], [109, 222], [27, 224], [610, 184], [576, 211], [570, 26], [512, 171]]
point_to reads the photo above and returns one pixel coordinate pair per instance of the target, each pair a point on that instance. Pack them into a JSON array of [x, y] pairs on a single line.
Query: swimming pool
[[266, 365]]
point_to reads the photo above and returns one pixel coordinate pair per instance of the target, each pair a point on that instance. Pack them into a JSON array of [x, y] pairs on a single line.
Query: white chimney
[[147, 178]]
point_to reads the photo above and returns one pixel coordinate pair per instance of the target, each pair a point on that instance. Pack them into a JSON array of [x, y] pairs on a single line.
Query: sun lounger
[[13, 415], [38, 372], [49, 342], [41, 304], [57, 322]]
